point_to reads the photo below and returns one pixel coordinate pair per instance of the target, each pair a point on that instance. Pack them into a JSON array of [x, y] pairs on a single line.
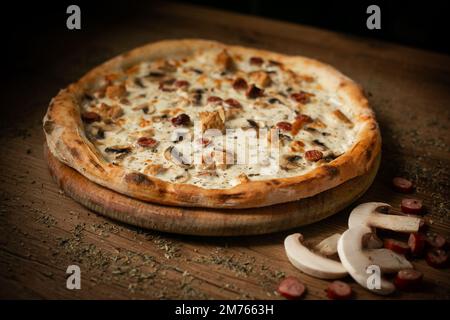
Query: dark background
[[421, 24], [35, 37]]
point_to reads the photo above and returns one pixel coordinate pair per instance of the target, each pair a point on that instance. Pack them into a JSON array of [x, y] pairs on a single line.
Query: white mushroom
[[366, 214], [388, 260], [328, 246], [310, 263], [356, 260], [371, 241], [176, 157]]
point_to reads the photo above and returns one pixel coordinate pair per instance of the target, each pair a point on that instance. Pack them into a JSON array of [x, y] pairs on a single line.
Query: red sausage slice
[[285, 126], [416, 243], [313, 155], [147, 142], [408, 280], [437, 258], [291, 288], [90, 117], [402, 185], [412, 206], [396, 246], [437, 241], [338, 290]]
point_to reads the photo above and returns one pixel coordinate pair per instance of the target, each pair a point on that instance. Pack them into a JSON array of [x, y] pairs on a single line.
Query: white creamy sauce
[[133, 124]]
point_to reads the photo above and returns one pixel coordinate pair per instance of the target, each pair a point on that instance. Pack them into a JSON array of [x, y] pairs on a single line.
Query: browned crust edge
[[66, 139], [206, 221]]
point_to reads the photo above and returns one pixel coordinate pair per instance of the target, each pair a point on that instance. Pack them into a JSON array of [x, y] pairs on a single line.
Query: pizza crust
[[67, 140]]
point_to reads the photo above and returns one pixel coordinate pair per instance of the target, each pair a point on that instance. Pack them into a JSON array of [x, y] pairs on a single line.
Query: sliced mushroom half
[[366, 214], [290, 161], [309, 262], [176, 157], [357, 262]]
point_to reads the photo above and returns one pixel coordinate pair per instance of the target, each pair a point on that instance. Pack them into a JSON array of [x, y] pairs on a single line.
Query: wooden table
[[43, 231]]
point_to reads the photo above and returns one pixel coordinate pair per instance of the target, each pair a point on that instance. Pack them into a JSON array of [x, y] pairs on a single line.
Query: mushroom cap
[[360, 215]]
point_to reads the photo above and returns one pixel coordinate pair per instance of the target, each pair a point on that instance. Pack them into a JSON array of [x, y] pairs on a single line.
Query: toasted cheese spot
[[297, 146], [132, 70], [299, 122], [243, 178], [342, 117], [112, 77], [115, 91], [164, 65], [154, 169], [224, 61], [213, 120], [110, 112], [202, 80], [318, 124], [144, 123], [261, 78]]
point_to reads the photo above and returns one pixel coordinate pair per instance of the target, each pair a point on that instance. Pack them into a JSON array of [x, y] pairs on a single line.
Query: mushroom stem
[[366, 214], [394, 223]]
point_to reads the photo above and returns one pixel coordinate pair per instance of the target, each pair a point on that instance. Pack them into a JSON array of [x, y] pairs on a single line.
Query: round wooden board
[[207, 222]]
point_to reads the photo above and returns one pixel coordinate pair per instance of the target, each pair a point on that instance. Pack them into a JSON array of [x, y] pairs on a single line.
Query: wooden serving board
[[203, 221]]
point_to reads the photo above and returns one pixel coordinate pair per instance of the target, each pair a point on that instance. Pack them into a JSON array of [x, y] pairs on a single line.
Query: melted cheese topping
[[143, 100]]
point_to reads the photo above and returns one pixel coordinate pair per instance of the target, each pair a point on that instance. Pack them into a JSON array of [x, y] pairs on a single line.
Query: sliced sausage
[[181, 120], [416, 243], [147, 142], [411, 206], [214, 99], [399, 247], [436, 241], [313, 155], [291, 288], [338, 290], [256, 61], [233, 103], [437, 258], [285, 126], [181, 84], [90, 117], [402, 185], [408, 280], [240, 84]]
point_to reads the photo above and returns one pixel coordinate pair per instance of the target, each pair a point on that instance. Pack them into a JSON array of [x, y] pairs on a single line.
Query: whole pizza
[[204, 124]]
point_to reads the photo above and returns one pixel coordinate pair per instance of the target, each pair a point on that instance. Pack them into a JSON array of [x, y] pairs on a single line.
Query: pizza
[[203, 124]]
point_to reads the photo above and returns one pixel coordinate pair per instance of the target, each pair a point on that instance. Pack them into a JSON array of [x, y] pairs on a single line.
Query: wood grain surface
[[42, 231]]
